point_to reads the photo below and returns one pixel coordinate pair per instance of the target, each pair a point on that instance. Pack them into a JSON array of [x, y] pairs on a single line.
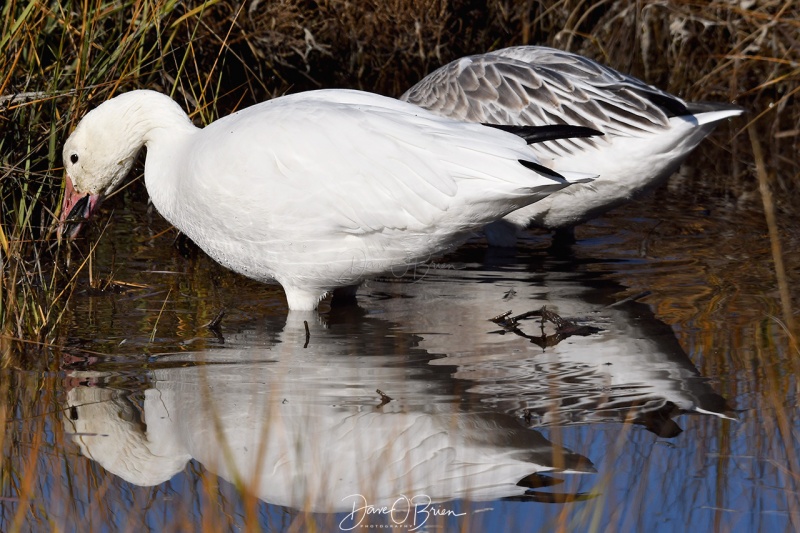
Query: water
[[672, 405]]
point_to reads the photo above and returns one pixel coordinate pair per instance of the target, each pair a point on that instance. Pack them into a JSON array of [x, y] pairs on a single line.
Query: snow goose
[[648, 132], [317, 190]]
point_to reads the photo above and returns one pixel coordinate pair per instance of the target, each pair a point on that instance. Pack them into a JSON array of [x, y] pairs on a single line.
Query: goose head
[[101, 151], [97, 157]]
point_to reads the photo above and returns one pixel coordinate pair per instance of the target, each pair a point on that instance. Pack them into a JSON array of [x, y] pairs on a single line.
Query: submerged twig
[[564, 328], [385, 398], [308, 334], [633, 298], [510, 322], [215, 325], [497, 319], [158, 318], [110, 286]]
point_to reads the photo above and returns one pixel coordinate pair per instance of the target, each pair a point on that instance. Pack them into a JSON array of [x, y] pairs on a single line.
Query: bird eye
[[73, 158]]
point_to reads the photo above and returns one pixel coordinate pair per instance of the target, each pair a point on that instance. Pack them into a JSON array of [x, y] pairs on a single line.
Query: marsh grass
[[59, 59], [56, 61]]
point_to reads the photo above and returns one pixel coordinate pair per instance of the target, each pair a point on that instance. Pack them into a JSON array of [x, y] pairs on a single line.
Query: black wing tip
[[553, 132], [674, 107], [541, 169], [669, 104]]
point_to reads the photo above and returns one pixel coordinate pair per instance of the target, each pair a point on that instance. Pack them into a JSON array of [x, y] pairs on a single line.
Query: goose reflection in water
[[621, 363], [299, 420], [306, 429]]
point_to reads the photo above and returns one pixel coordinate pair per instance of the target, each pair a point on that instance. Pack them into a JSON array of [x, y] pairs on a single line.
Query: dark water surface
[[660, 410]]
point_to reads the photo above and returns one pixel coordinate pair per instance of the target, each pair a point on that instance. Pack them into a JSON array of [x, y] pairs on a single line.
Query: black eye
[[73, 158]]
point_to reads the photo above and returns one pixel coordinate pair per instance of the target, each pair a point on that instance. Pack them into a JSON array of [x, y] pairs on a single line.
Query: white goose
[[317, 190], [648, 132]]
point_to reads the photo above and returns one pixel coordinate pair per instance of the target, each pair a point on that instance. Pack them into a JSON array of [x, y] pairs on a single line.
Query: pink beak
[[76, 210]]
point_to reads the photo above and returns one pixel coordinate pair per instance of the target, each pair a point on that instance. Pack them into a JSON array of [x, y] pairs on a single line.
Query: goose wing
[[530, 85], [349, 162]]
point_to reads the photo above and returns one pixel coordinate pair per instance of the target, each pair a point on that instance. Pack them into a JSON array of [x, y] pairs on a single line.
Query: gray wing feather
[[530, 85]]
